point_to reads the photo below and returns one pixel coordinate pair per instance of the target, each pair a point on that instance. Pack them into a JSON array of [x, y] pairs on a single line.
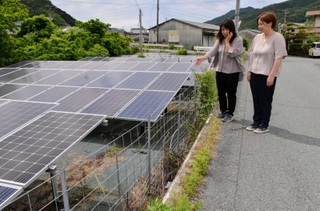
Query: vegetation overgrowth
[[38, 38]]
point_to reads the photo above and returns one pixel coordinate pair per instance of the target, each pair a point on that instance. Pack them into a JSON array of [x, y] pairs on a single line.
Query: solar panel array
[[48, 106]]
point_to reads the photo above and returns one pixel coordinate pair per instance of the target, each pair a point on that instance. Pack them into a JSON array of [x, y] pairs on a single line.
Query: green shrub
[[182, 52], [171, 47]]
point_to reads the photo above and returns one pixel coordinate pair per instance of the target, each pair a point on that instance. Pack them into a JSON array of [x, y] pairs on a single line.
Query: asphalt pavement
[[278, 170]]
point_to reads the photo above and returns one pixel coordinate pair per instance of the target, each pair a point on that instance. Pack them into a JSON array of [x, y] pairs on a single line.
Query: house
[[316, 15], [186, 33], [135, 34], [249, 33]]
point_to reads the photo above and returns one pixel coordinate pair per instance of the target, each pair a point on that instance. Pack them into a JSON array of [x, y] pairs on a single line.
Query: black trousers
[[227, 88], [262, 96]]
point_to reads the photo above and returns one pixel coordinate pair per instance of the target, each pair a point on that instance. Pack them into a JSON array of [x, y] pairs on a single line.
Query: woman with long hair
[[227, 53]]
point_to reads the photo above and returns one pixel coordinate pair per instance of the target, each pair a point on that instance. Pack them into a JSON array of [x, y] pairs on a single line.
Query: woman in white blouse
[[267, 51]]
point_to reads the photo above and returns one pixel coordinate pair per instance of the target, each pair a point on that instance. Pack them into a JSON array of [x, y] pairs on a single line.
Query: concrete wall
[[188, 35], [317, 21]]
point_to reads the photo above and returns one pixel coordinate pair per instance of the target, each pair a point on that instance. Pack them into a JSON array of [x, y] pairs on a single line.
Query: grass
[[184, 197]]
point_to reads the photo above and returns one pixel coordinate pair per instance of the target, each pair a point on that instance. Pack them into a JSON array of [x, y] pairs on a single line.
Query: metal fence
[[122, 174]]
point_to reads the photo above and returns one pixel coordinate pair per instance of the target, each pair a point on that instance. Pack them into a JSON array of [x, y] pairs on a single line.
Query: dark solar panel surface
[[8, 88], [5, 71], [19, 64], [14, 114], [26, 92], [108, 65], [180, 67], [58, 78], [111, 102], [78, 100], [110, 79], [169, 82], [125, 66], [6, 193], [30, 150], [84, 78], [35, 77], [143, 66], [91, 65], [138, 80], [160, 67], [148, 103], [16, 74], [54, 94]]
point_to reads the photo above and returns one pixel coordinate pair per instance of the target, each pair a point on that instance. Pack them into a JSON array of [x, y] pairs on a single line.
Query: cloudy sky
[[125, 14]]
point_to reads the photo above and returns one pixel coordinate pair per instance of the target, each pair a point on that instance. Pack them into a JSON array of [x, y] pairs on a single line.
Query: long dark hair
[[228, 24]]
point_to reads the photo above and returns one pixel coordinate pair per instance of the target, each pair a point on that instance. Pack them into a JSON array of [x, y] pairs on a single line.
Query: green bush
[[171, 47], [182, 52]]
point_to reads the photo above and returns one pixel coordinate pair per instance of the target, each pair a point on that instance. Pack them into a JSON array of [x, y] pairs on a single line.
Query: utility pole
[[237, 13], [157, 21], [286, 12], [140, 36]]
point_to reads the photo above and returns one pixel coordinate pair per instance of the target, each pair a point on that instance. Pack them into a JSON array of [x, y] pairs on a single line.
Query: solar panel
[[160, 67], [35, 64], [62, 64], [7, 192], [54, 94], [78, 100], [110, 103], [199, 68], [19, 64], [29, 151], [148, 103], [125, 66], [75, 65], [190, 81], [58, 78], [175, 59], [186, 58], [138, 80], [35, 77], [14, 114], [160, 59], [110, 79], [14, 75], [26, 92], [4, 71], [8, 88], [91, 65], [83, 78], [142, 66], [180, 67], [108, 65], [169, 82]]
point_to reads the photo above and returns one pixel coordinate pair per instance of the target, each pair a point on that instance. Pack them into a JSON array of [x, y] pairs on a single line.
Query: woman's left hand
[[270, 81]]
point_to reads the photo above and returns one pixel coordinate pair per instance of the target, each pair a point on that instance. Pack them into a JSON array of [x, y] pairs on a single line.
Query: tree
[[95, 27], [40, 25], [11, 11]]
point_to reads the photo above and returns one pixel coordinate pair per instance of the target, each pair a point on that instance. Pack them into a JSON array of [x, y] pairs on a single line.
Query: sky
[[125, 14]]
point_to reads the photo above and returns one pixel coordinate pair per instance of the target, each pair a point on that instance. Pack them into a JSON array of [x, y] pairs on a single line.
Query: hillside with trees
[[45, 7], [38, 38], [296, 11]]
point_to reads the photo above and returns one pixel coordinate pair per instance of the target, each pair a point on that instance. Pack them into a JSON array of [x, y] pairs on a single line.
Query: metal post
[[236, 18], [179, 117], [140, 39], [66, 203], [52, 170], [157, 21], [149, 154], [118, 176], [195, 101]]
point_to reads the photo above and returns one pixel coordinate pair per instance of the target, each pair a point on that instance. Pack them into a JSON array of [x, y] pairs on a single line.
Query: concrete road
[[279, 170]]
